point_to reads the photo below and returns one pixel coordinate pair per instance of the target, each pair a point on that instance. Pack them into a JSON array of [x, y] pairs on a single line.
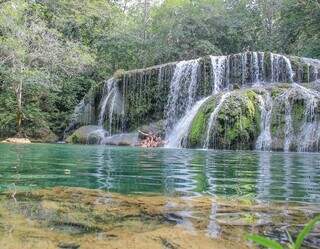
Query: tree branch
[[4, 1]]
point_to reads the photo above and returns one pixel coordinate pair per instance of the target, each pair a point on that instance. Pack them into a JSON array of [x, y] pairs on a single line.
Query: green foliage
[[75, 139], [271, 244], [268, 243]]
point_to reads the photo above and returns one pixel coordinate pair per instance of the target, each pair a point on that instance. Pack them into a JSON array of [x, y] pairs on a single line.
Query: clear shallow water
[[260, 175]]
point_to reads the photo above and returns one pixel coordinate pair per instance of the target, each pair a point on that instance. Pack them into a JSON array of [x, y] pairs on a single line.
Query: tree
[[32, 53]]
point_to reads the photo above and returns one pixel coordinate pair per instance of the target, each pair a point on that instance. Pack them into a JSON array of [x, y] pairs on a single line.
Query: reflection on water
[[213, 227], [265, 176], [179, 180]]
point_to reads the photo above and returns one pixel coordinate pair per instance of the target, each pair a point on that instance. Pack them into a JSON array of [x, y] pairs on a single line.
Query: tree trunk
[[19, 108], [145, 12]]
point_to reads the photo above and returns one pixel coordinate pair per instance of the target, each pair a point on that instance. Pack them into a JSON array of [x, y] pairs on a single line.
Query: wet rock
[[126, 139], [84, 135], [94, 219], [168, 244], [66, 245], [73, 228]]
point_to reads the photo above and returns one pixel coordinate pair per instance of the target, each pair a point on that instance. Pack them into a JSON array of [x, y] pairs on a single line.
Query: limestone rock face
[[273, 117], [256, 100]]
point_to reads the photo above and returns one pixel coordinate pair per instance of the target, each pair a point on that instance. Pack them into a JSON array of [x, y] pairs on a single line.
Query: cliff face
[[253, 86]]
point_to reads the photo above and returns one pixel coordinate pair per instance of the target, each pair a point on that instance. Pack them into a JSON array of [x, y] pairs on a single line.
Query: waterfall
[[277, 63], [177, 137], [289, 68], [213, 118], [174, 92], [228, 71], [218, 64], [109, 93], [111, 112], [244, 67], [315, 65], [100, 134], [261, 71], [182, 94], [264, 140], [288, 132], [255, 70], [309, 135]]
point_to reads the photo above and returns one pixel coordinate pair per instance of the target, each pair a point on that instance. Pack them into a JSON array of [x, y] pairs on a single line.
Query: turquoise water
[[259, 175]]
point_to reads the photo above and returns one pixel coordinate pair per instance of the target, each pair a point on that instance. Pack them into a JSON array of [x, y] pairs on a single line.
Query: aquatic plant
[[272, 244]]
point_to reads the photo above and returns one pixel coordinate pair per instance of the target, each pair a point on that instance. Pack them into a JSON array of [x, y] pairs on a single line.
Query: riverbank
[[16, 141]]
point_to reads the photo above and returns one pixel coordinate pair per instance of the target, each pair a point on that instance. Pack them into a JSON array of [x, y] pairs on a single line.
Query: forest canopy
[[53, 51]]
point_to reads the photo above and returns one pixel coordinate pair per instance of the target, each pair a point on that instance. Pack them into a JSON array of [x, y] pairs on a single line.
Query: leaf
[[263, 241], [305, 232], [289, 237]]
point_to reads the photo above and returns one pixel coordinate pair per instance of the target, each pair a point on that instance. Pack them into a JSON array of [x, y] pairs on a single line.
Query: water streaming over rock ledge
[[253, 100]]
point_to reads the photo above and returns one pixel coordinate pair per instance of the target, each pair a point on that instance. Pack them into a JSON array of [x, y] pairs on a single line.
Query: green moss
[[197, 129], [267, 64], [251, 95], [75, 139], [238, 123], [306, 73], [298, 114], [119, 74], [278, 90], [199, 124]]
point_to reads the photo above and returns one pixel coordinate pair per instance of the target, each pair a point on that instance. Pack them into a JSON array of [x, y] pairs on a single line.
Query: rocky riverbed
[[82, 218]]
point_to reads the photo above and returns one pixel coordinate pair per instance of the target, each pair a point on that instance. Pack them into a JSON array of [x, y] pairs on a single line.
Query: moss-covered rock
[[199, 124], [84, 135], [237, 124], [290, 115]]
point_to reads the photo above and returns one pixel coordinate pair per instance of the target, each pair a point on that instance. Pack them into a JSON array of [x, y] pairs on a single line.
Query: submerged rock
[[83, 218], [64, 245]]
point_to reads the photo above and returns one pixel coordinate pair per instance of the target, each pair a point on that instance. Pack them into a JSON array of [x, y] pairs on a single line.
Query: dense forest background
[[53, 51]]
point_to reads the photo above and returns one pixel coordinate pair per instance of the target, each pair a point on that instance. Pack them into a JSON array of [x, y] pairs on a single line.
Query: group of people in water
[[150, 140]]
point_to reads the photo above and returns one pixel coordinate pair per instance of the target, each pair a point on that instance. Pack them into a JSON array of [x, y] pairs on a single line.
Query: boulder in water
[[85, 135], [125, 139]]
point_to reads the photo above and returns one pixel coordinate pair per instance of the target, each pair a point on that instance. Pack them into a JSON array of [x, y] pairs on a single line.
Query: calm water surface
[[259, 175]]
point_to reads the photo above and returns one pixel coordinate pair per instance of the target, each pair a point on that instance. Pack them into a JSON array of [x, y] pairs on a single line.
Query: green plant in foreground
[[272, 244]]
